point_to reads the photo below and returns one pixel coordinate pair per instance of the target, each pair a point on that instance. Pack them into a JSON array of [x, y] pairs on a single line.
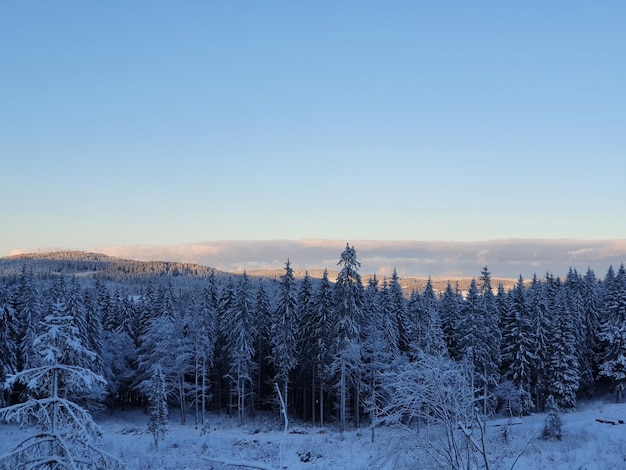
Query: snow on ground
[[586, 443]]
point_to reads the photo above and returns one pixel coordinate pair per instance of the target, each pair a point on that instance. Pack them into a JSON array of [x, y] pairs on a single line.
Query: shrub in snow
[[432, 399], [552, 426]]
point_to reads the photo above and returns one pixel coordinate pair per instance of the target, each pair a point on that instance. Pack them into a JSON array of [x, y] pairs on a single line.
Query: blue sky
[[163, 123]]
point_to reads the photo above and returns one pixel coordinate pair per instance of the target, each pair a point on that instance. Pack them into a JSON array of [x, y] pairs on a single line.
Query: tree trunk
[[313, 396], [342, 398]]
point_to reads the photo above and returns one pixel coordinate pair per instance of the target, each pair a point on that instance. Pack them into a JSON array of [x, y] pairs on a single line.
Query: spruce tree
[[8, 340], [552, 426], [399, 306], [157, 408], [563, 367], [285, 331], [239, 330], [472, 335], [493, 334], [541, 331], [434, 342], [29, 310], [590, 292], [320, 334], [613, 332], [517, 347], [450, 312], [348, 315]]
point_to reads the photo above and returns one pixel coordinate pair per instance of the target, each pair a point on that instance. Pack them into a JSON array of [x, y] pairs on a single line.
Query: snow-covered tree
[[472, 336], [563, 367], [284, 330], [613, 331], [386, 324], [8, 340], [590, 293], [319, 333], [167, 343], [199, 328], [552, 426], [517, 346], [399, 310], [433, 340], [119, 368], [157, 409], [493, 333], [262, 324], [541, 333], [306, 373], [67, 436], [29, 310], [204, 337], [380, 347], [573, 286], [239, 330], [348, 316], [450, 313]]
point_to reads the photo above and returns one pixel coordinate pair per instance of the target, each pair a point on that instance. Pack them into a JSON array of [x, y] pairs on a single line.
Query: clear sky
[[155, 122]]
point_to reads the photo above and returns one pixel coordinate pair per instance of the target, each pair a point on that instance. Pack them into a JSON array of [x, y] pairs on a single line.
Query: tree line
[[334, 348]]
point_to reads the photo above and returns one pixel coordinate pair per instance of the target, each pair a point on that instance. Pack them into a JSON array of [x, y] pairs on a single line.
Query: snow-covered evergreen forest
[[344, 353]]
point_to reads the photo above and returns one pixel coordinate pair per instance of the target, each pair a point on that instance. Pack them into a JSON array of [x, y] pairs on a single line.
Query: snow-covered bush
[[433, 400]]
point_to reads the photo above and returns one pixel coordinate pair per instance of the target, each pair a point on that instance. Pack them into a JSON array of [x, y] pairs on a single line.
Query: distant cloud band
[[505, 258]]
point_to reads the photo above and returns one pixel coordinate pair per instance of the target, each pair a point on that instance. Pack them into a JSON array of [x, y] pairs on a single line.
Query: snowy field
[[586, 443]]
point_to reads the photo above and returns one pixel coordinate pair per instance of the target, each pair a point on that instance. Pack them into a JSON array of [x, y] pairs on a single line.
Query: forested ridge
[[334, 347]]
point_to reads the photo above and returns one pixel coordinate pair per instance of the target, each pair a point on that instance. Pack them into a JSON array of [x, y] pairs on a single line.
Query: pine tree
[[157, 410], [199, 328], [386, 324], [563, 367], [552, 426], [29, 310], [517, 347], [285, 331], [348, 315], [399, 310], [434, 342], [262, 323], [380, 346], [167, 343], [93, 330], [613, 332], [320, 334], [472, 335], [573, 296], [450, 312], [541, 331], [8, 340], [306, 348], [590, 292], [240, 333], [205, 340], [75, 308], [493, 334]]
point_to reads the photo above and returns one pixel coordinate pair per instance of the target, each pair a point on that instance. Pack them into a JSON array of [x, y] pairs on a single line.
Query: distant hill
[[101, 266], [84, 263]]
